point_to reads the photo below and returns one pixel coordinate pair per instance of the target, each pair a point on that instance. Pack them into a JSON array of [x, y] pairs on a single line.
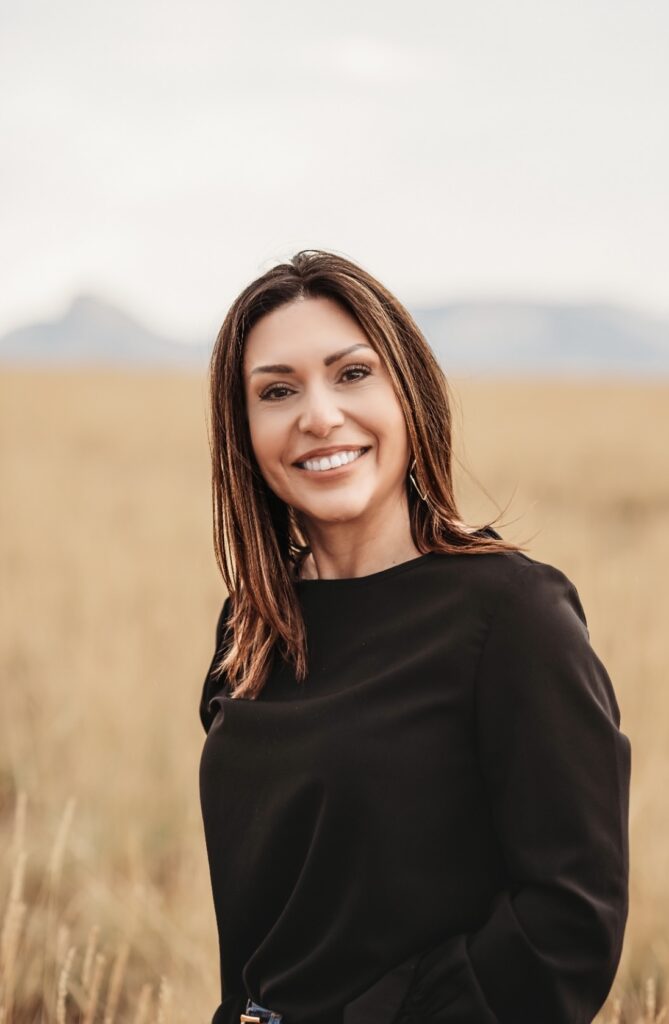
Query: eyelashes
[[265, 396]]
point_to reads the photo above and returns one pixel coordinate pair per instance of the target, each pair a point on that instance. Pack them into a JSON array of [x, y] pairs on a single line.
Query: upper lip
[[315, 452]]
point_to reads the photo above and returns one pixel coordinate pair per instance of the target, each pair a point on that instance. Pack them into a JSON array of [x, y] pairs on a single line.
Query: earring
[[411, 477]]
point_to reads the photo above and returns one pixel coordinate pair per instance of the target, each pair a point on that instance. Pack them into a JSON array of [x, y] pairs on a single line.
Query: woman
[[414, 787]]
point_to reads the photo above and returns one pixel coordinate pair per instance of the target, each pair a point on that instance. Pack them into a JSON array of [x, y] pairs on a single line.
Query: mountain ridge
[[478, 336]]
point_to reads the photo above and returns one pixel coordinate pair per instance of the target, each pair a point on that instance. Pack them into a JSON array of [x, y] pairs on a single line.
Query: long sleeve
[[207, 716], [556, 769]]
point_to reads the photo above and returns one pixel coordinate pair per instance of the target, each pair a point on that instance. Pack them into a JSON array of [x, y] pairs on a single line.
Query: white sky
[[162, 154]]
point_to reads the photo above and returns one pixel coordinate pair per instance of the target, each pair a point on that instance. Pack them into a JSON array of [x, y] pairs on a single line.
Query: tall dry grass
[[109, 599]]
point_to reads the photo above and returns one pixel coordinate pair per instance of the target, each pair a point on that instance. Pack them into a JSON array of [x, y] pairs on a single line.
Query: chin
[[339, 512]]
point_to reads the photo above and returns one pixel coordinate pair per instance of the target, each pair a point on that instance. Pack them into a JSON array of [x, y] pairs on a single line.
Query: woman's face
[[313, 381]]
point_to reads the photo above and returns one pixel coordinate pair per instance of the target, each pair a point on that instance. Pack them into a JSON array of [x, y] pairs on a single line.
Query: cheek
[[268, 443], [384, 415]]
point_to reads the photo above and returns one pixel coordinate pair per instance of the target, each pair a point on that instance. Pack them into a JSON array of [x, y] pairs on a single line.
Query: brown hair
[[257, 537]]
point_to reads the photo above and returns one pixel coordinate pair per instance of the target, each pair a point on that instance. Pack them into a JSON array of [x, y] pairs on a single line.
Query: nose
[[320, 412]]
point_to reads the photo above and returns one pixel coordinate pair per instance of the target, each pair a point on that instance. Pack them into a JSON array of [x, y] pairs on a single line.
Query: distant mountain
[[467, 337], [92, 332], [552, 338]]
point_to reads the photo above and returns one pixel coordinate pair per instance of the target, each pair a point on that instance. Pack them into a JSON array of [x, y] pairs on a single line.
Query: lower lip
[[335, 471]]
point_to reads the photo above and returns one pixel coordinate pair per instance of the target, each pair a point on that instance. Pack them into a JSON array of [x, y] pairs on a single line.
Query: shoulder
[[512, 587], [536, 654], [540, 604], [535, 626]]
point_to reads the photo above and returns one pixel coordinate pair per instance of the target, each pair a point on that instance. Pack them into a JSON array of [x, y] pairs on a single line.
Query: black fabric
[[384, 999], [440, 810]]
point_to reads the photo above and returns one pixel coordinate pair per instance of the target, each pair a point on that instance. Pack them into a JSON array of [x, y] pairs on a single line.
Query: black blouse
[[433, 827]]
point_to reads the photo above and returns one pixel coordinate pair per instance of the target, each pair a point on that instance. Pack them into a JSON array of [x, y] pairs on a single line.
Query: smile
[[332, 463]]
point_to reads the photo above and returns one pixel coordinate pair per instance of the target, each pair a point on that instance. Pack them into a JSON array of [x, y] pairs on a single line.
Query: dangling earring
[[423, 496]]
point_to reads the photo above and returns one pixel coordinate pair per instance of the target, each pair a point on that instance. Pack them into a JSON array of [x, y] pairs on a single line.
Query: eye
[[266, 395], [360, 367]]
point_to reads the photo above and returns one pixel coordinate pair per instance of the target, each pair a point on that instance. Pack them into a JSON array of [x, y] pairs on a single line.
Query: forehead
[[301, 331]]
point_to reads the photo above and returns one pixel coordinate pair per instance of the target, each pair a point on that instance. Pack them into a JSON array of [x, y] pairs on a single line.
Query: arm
[[212, 686], [557, 773]]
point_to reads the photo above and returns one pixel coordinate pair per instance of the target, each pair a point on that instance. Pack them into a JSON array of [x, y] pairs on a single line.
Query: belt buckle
[[247, 1017]]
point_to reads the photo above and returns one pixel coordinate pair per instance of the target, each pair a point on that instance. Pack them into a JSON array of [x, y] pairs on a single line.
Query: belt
[[254, 1013]]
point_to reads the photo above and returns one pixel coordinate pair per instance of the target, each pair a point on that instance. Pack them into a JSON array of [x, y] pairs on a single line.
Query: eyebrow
[[332, 358]]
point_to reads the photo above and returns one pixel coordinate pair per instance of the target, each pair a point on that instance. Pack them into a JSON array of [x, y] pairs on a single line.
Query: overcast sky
[[162, 154]]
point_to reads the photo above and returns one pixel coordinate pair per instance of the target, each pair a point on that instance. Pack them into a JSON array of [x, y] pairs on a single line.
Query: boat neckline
[[371, 577]]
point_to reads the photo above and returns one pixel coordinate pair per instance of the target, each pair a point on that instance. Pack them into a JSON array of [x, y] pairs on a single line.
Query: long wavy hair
[[258, 539]]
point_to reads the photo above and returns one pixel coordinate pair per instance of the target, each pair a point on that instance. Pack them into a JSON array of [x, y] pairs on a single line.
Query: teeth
[[339, 459]]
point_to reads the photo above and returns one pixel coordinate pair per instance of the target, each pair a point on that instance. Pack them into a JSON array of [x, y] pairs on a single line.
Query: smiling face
[[313, 381]]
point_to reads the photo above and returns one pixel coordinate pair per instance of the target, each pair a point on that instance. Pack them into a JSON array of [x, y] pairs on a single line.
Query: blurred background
[[502, 168]]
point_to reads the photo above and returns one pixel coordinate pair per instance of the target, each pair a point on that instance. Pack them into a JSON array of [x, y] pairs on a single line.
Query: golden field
[[109, 600]]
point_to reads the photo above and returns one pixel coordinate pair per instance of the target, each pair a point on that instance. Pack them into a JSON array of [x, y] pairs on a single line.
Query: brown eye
[[268, 393], [265, 395], [360, 367]]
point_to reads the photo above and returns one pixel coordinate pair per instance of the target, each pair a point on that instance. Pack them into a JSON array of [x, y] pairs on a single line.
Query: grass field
[[109, 599]]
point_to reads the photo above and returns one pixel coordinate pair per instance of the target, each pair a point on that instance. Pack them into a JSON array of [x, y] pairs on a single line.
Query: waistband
[[254, 1013]]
